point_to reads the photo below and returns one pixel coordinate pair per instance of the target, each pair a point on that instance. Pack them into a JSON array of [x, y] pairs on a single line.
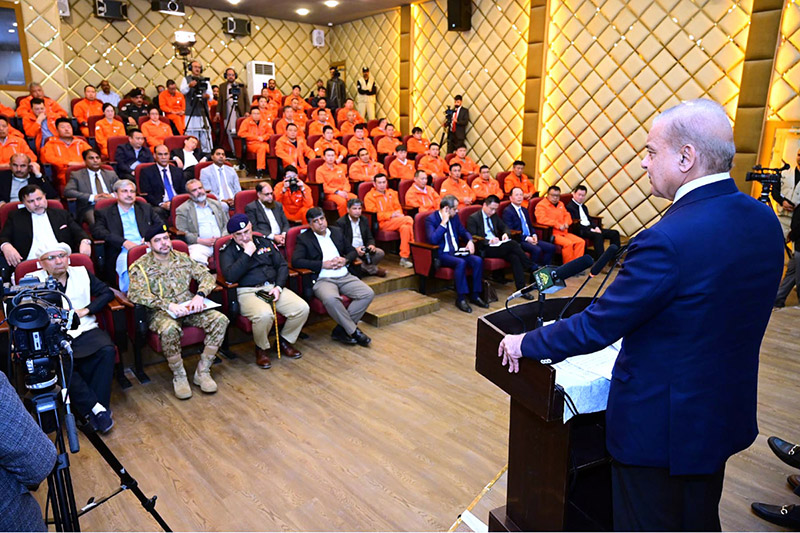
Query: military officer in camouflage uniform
[[160, 280]]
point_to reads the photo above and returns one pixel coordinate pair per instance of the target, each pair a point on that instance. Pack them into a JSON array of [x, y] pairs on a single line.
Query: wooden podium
[[559, 474]]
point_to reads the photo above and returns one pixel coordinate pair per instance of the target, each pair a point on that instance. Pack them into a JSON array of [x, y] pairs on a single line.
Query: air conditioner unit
[[258, 74], [233, 26], [111, 9], [169, 7]]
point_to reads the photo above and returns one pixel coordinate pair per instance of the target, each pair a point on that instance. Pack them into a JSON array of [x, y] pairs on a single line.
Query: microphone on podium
[[549, 279], [609, 254]]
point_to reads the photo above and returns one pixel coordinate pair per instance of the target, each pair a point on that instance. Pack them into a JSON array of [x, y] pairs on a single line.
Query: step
[[397, 278], [397, 306]]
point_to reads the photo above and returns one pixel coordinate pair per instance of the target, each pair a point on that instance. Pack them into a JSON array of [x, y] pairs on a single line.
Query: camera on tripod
[[448, 114], [768, 178], [236, 91], [201, 87]]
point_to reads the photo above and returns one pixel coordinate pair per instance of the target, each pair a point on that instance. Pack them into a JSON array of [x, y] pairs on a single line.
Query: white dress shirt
[[43, 236], [206, 222], [329, 251], [584, 219], [358, 240], [686, 188], [274, 227], [92, 175]]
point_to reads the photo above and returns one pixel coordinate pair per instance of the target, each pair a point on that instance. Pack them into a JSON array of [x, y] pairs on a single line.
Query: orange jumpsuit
[[341, 115], [51, 107], [365, 171], [524, 183], [387, 145], [347, 128], [354, 145], [294, 154], [6, 111], [418, 147], [468, 166], [257, 137], [280, 127], [315, 128], [33, 129], [14, 132], [400, 170], [335, 179], [170, 105], [460, 190], [85, 109], [273, 107], [377, 131], [424, 200], [294, 204], [57, 154], [156, 134], [434, 165], [322, 145], [386, 205], [287, 100], [14, 145], [275, 95], [483, 189], [551, 215], [104, 130]]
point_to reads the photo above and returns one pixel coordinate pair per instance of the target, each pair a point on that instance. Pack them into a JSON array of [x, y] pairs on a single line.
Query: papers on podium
[[587, 379]]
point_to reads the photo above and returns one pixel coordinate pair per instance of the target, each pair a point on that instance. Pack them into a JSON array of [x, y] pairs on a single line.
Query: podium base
[[499, 521]]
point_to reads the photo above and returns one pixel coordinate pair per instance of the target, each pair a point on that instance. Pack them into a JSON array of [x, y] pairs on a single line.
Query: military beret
[[153, 230], [237, 222]]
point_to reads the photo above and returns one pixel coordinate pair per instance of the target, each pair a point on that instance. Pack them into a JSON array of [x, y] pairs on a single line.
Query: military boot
[[202, 376], [180, 383]]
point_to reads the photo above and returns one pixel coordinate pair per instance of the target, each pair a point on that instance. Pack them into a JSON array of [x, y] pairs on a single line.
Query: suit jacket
[[178, 152], [258, 217], [18, 230], [308, 254], [461, 125], [152, 184], [436, 233], [186, 218], [513, 222], [108, 227], [210, 179], [691, 310], [222, 105], [574, 210], [125, 156], [5, 186], [475, 226], [80, 187], [366, 234]]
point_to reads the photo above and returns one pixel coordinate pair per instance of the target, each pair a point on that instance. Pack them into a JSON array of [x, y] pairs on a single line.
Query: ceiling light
[[302, 12], [234, 2], [330, 24], [331, 3]]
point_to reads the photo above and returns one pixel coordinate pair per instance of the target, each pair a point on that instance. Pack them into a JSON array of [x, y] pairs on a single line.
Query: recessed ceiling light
[[331, 3], [302, 12], [234, 2], [330, 24]]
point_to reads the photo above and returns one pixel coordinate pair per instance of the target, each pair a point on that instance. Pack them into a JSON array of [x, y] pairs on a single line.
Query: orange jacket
[[103, 131], [85, 109], [418, 147], [341, 115], [525, 184], [50, 106], [168, 103], [6, 111], [275, 95], [33, 129], [365, 171], [376, 131], [287, 100], [402, 171], [280, 127], [56, 153], [387, 145], [155, 134], [347, 128], [315, 112], [483, 189], [460, 190], [383, 204], [252, 132], [434, 165], [551, 215], [292, 154], [315, 128], [468, 166], [333, 179], [427, 200], [293, 202], [354, 145], [322, 145], [14, 145]]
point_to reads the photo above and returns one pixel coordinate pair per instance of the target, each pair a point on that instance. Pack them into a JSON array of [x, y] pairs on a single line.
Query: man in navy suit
[[691, 310], [517, 218], [161, 182], [444, 229], [131, 155]]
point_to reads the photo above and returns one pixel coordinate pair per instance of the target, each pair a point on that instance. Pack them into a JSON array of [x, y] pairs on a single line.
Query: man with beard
[[266, 215]]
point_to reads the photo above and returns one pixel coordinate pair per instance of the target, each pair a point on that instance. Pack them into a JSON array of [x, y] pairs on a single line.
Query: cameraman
[[356, 231], [788, 198], [198, 92], [94, 353], [294, 196], [337, 93], [232, 104], [456, 124]]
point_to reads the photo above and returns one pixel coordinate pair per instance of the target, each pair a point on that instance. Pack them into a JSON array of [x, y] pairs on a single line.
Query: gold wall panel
[[486, 64], [611, 67], [784, 96]]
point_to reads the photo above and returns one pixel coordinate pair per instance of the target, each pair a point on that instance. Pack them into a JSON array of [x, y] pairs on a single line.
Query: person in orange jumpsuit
[[402, 167], [32, 123], [289, 117], [360, 141], [328, 141], [551, 212], [88, 107], [287, 100], [348, 126], [322, 103], [12, 144], [300, 116], [273, 92], [421, 195], [295, 203], [380, 129], [269, 111], [384, 202], [433, 164], [418, 144], [518, 179], [457, 187], [485, 185], [25, 107], [315, 128], [155, 130], [292, 150], [63, 151], [173, 104], [365, 168], [256, 131], [6, 111], [388, 143], [334, 181], [106, 128], [342, 112], [468, 166]]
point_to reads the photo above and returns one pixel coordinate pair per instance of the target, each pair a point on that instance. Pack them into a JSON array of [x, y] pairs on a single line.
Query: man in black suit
[[131, 155], [588, 228], [495, 242], [356, 231], [22, 172], [227, 111], [90, 184], [187, 157], [29, 230], [326, 253], [457, 127], [517, 218], [120, 236], [161, 182], [267, 215]]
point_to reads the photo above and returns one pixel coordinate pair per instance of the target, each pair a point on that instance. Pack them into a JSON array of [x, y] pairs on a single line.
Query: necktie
[[524, 224], [223, 186], [167, 185], [450, 247], [491, 226], [98, 183], [455, 117]]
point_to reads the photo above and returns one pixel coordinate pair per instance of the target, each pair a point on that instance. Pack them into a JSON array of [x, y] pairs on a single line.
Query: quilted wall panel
[[784, 96]]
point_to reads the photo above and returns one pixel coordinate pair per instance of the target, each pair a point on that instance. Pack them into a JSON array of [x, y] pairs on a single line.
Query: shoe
[[361, 338], [241, 166], [793, 481], [339, 334], [102, 421], [289, 351], [262, 358], [381, 272], [785, 515], [528, 296], [202, 375], [786, 451], [180, 382], [406, 263], [477, 300], [259, 173], [463, 306]]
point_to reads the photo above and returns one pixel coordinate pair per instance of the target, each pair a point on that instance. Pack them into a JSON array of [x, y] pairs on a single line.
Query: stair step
[[397, 278], [397, 306]]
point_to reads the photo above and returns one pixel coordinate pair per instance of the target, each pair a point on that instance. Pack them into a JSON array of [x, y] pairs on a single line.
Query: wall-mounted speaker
[[169, 7], [459, 15], [111, 9], [233, 26]]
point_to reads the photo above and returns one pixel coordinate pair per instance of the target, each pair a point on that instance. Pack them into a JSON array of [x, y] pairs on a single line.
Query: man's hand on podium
[[510, 350]]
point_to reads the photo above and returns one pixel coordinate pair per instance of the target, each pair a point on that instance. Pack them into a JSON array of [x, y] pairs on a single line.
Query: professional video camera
[[236, 91], [201, 87], [768, 177], [448, 114]]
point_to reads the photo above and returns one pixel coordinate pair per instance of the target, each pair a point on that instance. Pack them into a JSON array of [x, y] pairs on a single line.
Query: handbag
[[489, 294]]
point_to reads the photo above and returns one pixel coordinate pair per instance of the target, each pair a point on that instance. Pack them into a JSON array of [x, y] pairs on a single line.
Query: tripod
[[448, 123], [226, 128], [196, 98]]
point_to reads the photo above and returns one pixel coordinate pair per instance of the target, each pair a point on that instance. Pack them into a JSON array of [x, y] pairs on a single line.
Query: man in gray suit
[[90, 184], [220, 179], [229, 108], [203, 220], [267, 215]]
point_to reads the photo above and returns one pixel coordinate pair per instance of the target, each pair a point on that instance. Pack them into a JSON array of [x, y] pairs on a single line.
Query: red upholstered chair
[[437, 183], [113, 142], [418, 160], [402, 189], [501, 179], [544, 232], [566, 198], [372, 124], [72, 104], [311, 141], [240, 145], [94, 119], [424, 255], [490, 264], [470, 178], [8, 208], [448, 157], [18, 99], [175, 142], [317, 187], [376, 139], [346, 139], [138, 172], [273, 163], [163, 118], [242, 198], [380, 235], [200, 166]]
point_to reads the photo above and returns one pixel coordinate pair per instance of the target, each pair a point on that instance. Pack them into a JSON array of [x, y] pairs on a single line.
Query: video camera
[[448, 114], [294, 184], [236, 90], [202, 85], [768, 177]]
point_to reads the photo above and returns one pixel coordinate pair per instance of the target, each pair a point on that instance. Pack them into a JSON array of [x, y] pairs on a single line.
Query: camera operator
[[356, 231], [232, 104], [337, 93], [27, 456], [94, 353], [197, 90], [294, 196], [456, 124], [788, 198]]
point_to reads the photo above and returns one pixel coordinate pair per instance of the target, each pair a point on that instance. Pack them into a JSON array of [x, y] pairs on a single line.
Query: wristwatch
[[201, 294]]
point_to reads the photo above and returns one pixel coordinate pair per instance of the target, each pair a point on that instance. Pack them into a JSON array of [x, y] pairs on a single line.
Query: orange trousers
[[260, 150], [178, 120], [404, 225], [295, 214], [572, 246], [341, 203]]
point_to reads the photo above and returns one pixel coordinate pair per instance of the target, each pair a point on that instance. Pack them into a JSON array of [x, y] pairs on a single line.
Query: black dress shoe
[[786, 451], [477, 300], [785, 515], [463, 306], [361, 337], [793, 481], [528, 296], [339, 334]]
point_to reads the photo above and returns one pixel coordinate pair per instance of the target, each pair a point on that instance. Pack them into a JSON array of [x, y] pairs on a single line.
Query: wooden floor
[[399, 436]]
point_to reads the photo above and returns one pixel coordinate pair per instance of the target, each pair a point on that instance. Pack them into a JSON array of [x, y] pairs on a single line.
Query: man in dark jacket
[[267, 215], [261, 271], [132, 154], [588, 228], [356, 231], [22, 172], [187, 157]]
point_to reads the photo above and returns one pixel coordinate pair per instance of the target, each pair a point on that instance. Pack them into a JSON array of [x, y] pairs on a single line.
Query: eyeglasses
[[62, 255]]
